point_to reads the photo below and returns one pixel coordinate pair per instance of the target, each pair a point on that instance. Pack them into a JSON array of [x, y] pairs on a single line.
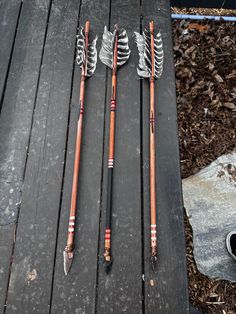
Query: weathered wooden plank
[[6, 241], [76, 293], [18, 105], [33, 263], [9, 14], [121, 290], [16, 117], [166, 289]]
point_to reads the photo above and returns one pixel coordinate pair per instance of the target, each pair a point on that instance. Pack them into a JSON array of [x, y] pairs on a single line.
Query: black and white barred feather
[[145, 59], [91, 54], [106, 54]]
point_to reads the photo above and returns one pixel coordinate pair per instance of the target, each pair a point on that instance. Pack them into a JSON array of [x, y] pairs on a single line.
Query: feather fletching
[[90, 55], [107, 50], [80, 47], [145, 59]]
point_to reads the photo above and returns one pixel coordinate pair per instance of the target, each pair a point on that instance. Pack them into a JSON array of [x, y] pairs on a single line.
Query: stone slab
[[210, 201]]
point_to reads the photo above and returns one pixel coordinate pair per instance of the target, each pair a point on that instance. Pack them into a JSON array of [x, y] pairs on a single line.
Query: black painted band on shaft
[[109, 198]]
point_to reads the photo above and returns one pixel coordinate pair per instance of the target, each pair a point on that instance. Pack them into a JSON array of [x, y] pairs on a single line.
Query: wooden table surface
[[39, 94]]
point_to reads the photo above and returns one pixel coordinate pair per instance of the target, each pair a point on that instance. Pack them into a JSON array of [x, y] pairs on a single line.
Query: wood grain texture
[[16, 114], [33, 263], [18, 105], [121, 290], [6, 242], [166, 289], [40, 89], [9, 13], [76, 293]]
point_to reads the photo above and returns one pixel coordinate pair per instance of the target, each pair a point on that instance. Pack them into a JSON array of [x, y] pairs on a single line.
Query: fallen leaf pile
[[205, 60], [205, 64], [203, 11]]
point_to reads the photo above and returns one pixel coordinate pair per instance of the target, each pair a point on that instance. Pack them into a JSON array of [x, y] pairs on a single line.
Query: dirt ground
[[205, 64]]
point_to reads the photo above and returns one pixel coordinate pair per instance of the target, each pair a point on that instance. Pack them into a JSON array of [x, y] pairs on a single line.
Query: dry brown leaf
[[219, 78], [211, 66], [199, 27], [231, 75], [230, 105]]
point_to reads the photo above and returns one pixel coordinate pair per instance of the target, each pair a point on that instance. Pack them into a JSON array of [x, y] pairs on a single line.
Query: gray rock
[[210, 201]]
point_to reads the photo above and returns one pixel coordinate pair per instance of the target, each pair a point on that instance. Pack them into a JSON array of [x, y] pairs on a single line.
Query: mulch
[[205, 64], [204, 11]]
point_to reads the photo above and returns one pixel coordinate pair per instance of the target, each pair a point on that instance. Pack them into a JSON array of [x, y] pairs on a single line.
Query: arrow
[[150, 66], [114, 53], [87, 60]]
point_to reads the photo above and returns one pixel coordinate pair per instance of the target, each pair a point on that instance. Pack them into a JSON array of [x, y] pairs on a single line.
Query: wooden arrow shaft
[[152, 149], [70, 238], [107, 246]]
